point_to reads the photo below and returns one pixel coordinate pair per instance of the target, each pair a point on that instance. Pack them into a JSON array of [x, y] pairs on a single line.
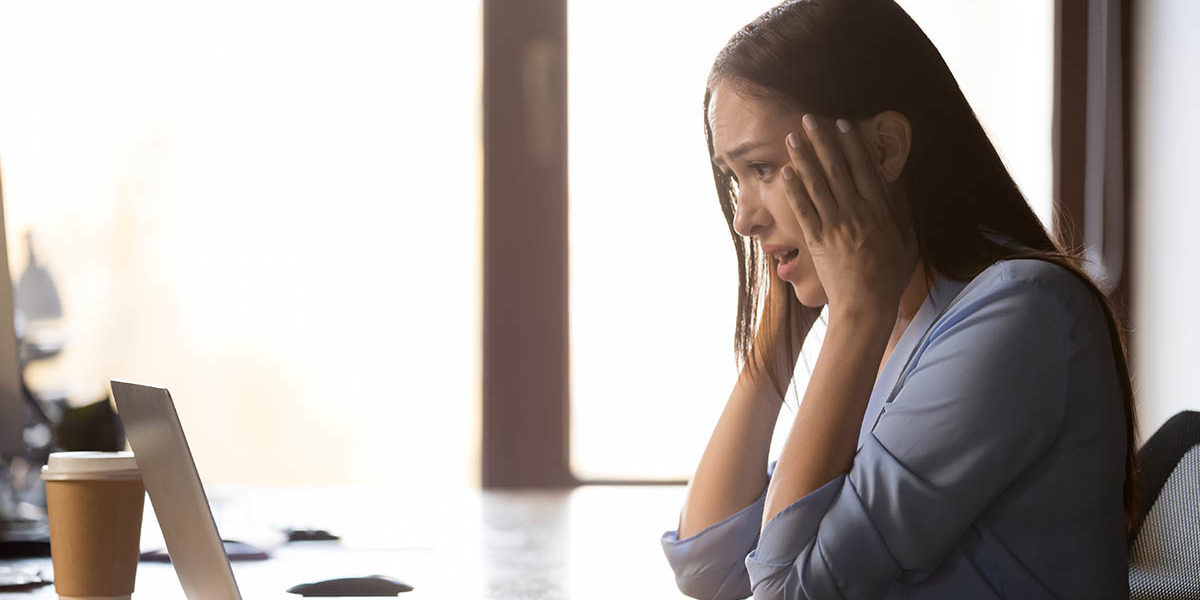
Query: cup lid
[[90, 465]]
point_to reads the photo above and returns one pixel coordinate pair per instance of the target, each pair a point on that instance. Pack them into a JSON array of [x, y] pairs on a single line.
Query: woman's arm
[[822, 441], [718, 525], [732, 472]]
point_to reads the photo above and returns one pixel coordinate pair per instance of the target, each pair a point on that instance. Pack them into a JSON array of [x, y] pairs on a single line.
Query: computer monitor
[[12, 401]]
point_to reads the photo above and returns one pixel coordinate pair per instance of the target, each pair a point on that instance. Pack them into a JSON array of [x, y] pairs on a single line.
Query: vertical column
[[1094, 207], [525, 350]]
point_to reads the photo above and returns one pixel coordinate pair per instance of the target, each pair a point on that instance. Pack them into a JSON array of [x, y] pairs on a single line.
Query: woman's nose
[[749, 217]]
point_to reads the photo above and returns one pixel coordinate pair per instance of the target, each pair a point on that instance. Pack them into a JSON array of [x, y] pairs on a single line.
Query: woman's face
[[748, 143]]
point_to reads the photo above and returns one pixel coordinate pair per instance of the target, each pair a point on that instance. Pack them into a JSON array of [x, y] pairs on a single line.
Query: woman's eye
[[760, 170]]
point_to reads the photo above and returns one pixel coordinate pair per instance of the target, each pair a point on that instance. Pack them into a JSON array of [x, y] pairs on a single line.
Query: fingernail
[[843, 125], [787, 172], [793, 140], [810, 122]]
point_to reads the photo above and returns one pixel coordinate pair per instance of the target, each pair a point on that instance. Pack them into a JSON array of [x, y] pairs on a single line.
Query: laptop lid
[[171, 479]]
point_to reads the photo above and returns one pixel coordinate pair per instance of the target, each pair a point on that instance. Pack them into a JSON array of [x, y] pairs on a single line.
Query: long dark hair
[[856, 59]]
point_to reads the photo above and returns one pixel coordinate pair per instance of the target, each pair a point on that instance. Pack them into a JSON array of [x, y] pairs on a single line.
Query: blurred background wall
[[1166, 154]]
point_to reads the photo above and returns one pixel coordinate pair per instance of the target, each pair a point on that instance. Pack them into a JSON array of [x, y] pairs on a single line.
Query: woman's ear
[[892, 141]]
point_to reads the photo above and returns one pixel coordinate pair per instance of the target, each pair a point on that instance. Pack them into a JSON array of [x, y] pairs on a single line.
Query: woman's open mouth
[[787, 264]]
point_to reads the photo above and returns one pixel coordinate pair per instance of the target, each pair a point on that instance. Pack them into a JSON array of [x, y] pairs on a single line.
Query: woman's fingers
[[812, 176], [802, 206], [868, 176], [831, 172], [827, 145], [865, 173]]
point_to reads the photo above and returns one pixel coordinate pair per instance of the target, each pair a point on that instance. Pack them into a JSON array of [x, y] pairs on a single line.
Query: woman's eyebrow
[[740, 150]]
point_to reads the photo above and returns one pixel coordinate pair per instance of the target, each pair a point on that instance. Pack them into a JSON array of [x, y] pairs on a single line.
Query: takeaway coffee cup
[[95, 504]]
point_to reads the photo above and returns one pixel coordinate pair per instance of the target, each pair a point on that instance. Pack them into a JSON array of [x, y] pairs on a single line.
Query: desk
[[591, 542]]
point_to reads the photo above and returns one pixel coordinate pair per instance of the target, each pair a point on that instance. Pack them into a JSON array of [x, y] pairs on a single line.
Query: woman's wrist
[[756, 384], [862, 317]]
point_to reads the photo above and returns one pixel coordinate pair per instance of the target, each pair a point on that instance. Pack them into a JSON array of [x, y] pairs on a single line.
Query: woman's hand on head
[[859, 235]]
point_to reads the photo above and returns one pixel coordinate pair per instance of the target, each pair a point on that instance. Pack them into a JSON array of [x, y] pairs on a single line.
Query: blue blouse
[[990, 464]]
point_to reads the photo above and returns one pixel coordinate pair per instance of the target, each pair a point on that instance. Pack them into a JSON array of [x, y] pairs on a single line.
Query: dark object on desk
[[309, 535], [236, 551], [24, 536], [16, 580], [1164, 557], [371, 585], [12, 549], [24, 528], [92, 427]]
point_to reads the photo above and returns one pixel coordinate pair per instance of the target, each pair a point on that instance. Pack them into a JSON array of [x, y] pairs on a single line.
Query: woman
[[967, 431]]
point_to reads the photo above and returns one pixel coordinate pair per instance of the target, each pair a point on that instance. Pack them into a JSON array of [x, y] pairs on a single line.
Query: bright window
[[270, 209]]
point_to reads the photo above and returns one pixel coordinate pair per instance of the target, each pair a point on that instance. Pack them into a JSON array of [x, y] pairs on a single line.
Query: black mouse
[[371, 585], [309, 535]]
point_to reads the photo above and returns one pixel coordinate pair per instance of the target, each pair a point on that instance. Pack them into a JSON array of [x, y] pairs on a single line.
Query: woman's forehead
[[730, 110], [734, 99], [736, 117]]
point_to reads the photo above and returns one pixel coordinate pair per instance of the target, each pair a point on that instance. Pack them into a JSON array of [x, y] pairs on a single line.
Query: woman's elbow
[[714, 583], [806, 577], [782, 585]]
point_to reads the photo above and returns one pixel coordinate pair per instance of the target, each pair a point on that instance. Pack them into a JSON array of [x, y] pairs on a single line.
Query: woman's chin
[[810, 295]]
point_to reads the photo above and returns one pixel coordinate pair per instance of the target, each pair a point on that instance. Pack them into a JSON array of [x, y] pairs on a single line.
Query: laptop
[[156, 436]]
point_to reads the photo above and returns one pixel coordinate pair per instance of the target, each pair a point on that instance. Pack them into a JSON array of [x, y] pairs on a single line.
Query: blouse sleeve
[[982, 403], [711, 564]]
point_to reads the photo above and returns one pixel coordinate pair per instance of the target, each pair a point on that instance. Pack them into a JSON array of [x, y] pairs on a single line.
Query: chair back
[[1164, 556]]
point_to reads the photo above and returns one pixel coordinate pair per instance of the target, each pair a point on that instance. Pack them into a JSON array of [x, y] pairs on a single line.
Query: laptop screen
[[171, 479]]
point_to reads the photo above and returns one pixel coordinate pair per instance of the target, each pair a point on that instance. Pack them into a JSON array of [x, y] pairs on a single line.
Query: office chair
[[1164, 556]]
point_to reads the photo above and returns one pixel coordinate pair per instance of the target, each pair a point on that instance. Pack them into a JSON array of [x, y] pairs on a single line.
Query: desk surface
[[591, 542]]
